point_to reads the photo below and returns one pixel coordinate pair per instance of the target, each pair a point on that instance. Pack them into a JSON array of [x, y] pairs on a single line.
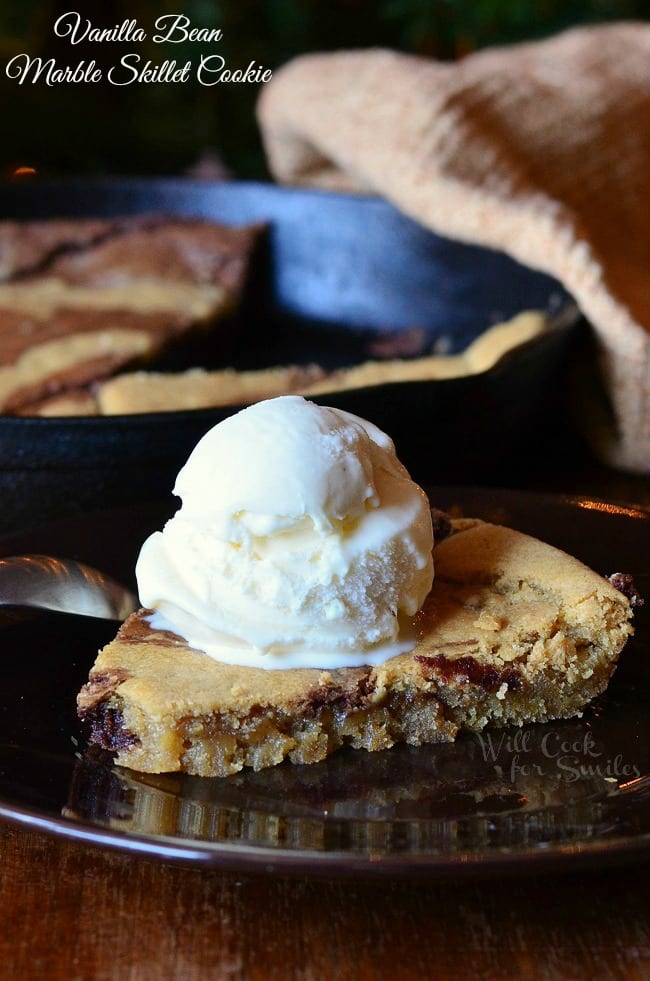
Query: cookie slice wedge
[[77, 308], [513, 631]]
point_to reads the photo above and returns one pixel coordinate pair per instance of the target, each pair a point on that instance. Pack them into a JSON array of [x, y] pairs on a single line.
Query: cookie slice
[[513, 631], [75, 310], [27, 246]]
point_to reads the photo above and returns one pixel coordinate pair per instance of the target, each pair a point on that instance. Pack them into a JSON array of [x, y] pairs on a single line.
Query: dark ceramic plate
[[339, 274], [540, 797]]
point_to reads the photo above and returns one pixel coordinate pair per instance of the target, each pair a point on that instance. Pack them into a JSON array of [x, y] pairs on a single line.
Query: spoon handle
[[63, 585]]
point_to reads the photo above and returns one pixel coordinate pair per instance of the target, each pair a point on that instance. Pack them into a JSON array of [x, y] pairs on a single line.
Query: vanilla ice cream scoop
[[301, 542]]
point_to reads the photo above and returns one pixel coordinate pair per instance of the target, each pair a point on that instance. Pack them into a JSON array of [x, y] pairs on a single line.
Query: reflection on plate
[[567, 790]]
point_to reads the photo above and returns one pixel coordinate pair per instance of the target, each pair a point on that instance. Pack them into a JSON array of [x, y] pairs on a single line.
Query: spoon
[[63, 585]]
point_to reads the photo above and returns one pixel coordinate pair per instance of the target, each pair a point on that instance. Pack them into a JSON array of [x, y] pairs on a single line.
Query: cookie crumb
[[624, 582], [486, 621]]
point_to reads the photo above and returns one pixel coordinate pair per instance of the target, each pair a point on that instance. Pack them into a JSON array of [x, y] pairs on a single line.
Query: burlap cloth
[[541, 150]]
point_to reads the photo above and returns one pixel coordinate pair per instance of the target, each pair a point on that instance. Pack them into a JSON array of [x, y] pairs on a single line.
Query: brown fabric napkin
[[541, 150]]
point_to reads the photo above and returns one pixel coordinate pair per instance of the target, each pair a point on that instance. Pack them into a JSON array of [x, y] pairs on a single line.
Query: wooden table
[[72, 911], [77, 912]]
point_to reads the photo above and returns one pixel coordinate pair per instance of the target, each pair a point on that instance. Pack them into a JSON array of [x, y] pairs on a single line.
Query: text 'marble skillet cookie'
[[296, 603]]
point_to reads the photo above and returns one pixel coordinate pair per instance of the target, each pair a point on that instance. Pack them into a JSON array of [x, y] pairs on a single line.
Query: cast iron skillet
[[337, 272]]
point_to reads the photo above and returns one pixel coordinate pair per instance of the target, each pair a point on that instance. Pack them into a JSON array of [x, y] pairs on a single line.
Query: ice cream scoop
[[301, 542]]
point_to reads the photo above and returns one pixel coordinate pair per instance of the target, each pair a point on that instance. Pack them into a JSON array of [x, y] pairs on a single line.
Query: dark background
[[167, 129]]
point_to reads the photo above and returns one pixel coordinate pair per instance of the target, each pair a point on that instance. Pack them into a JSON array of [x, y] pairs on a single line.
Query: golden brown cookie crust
[[142, 391]]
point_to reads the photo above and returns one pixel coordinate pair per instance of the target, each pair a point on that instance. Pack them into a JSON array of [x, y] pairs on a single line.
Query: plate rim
[[233, 857], [255, 858]]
